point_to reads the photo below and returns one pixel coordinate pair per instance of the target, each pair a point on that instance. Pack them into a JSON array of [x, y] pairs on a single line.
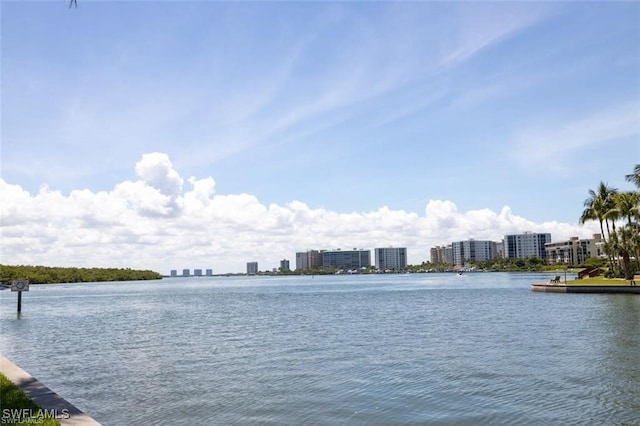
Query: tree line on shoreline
[[53, 275], [618, 213]]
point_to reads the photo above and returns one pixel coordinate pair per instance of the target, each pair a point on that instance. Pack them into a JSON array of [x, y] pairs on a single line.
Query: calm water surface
[[354, 350]]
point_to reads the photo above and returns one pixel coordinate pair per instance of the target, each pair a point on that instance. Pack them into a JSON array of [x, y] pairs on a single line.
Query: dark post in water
[[20, 286]]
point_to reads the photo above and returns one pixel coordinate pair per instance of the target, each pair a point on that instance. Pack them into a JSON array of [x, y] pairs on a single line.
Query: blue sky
[[349, 109]]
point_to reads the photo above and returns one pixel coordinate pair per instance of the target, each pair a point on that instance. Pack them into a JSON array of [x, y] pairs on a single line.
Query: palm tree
[[624, 245], [627, 205], [598, 207], [635, 176], [594, 210]]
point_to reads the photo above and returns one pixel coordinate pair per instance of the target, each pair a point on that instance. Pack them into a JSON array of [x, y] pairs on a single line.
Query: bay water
[[432, 349]]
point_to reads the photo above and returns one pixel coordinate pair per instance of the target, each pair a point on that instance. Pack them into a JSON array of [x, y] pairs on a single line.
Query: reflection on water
[[422, 348]]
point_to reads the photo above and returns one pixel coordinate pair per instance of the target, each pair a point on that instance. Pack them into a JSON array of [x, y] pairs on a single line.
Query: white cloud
[[130, 226], [556, 145], [156, 170], [479, 27]]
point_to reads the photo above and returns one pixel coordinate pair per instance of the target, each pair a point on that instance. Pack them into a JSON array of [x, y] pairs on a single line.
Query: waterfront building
[[252, 268], [391, 258], [310, 259], [521, 246], [185, 273], [472, 250], [197, 272], [174, 273], [346, 259], [441, 254], [574, 251], [284, 265], [209, 272]]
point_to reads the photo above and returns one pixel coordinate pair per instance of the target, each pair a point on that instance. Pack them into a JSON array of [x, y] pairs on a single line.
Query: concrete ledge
[[561, 288], [45, 397]]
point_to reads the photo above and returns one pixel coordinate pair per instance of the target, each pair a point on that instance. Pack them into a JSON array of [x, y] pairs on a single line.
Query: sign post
[[20, 286]]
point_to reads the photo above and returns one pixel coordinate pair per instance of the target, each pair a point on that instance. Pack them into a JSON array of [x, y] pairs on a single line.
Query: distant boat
[[460, 273]]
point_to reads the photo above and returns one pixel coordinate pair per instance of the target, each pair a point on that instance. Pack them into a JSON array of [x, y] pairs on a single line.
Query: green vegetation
[[532, 263], [599, 281], [50, 275], [15, 401], [618, 213]]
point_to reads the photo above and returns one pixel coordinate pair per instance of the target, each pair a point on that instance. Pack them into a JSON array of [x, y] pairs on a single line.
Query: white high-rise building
[[391, 258], [521, 246], [472, 250]]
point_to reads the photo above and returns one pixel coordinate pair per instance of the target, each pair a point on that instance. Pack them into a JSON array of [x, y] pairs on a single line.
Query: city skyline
[[514, 246], [146, 134]]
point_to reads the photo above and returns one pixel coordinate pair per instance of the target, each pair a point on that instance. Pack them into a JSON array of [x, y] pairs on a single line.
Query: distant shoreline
[[62, 275]]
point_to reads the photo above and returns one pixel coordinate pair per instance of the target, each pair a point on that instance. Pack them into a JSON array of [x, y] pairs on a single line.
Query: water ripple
[[426, 349]]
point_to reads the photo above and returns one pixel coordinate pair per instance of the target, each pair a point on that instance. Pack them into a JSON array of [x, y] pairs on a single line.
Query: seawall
[[45, 397], [561, 288]]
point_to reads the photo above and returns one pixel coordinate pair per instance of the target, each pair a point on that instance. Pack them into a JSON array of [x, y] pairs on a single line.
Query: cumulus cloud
[[159, 188], [155, 223]]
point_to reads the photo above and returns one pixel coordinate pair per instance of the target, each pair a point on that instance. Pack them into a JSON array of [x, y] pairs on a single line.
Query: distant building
[[391, 258], [441, 254], [197, 272], [252, 268], [208, 272], [346, 259], [310, 259], [284, 265], [185, 273], [174, 273], [521, 246], [574, 251], [472, 250]]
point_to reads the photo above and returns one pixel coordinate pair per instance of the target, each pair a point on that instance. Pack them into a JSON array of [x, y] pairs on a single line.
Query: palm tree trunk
[[610, 256]]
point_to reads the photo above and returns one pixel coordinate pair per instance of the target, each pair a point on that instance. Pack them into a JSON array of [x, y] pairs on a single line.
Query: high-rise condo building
[[346, 259], [521, 246], [252, 268], [391, 258], [472, 250], [441, 254], [310, 259]]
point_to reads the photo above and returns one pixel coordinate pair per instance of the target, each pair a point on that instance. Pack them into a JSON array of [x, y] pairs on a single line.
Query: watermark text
[[28, 415]]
